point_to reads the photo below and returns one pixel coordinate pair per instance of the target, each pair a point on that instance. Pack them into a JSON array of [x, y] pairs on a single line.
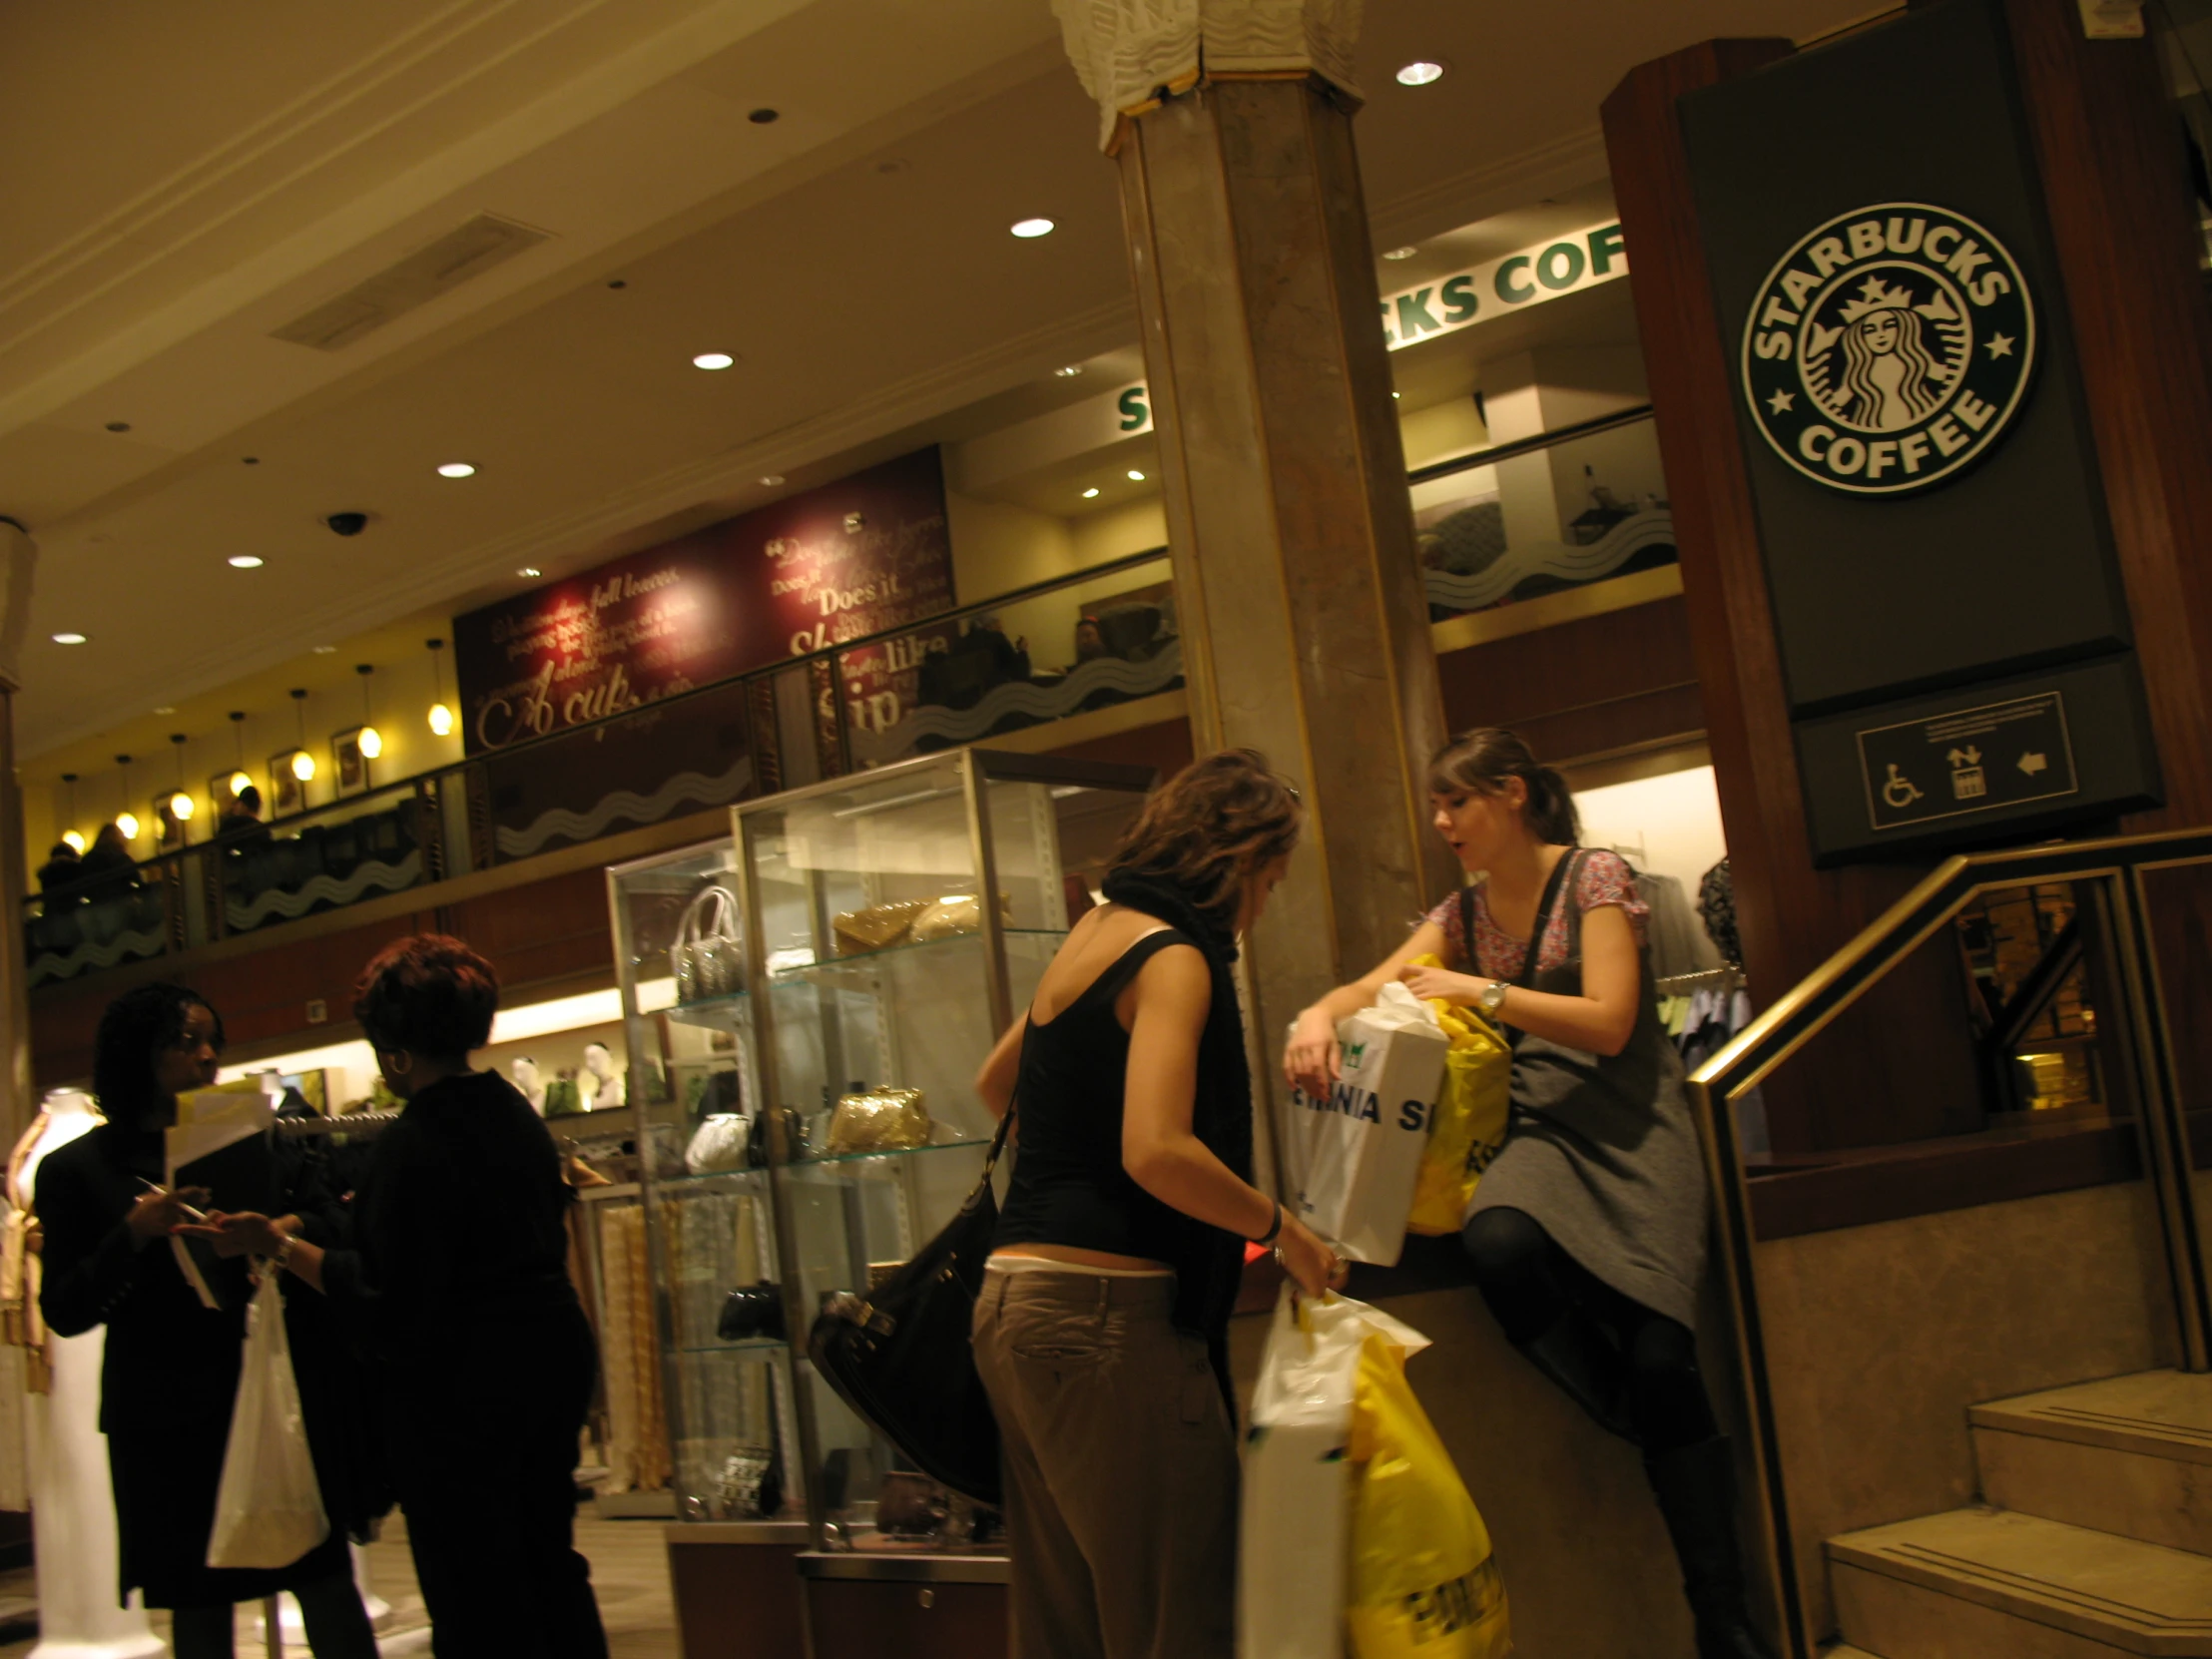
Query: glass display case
[[697, 1403], [897, 919]]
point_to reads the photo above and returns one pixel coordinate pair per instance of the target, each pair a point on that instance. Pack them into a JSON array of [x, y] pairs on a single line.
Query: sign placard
[[1964, 761]]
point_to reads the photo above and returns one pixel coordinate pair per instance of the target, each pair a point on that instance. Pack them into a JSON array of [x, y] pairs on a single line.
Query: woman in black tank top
[[1101, 1333]]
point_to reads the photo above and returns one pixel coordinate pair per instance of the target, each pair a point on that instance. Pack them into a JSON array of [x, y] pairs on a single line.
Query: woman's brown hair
[[1480, 762], [428, 993], [1211, 828]]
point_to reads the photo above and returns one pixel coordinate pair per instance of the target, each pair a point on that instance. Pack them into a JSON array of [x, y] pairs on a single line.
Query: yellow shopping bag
[[1423, 1583], [1467, 1129]]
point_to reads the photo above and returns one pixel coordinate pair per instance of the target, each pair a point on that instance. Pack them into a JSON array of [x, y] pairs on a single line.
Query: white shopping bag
[[1354, 1157], [268, 1510], [1295, 1542]]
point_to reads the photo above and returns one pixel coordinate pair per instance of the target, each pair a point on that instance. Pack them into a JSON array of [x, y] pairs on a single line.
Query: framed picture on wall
[[349, 766], [288, 793]]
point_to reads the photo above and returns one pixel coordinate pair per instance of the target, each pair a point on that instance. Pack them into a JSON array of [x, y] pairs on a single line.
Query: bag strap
[[1006, 1122], [1546, 906]]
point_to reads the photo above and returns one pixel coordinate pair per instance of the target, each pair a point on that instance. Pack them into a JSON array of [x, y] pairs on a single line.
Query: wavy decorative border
[[131, 945], [1019, 697], [716, 790], [373, 876], [1653, 527]]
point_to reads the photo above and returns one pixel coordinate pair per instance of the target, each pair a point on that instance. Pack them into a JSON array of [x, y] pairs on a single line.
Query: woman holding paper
[[170, 1374], [1587, 1233], [1101, 1332]]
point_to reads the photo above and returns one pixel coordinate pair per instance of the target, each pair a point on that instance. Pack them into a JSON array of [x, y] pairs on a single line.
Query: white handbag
[[707, 959], [719, 1143]]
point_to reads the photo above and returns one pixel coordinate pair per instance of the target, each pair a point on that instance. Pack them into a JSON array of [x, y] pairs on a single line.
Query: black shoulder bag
[[902, 1356]]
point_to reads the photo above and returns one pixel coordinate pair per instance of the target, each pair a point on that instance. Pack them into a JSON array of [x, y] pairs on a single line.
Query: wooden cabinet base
[[919, 1613], [737, 1589]]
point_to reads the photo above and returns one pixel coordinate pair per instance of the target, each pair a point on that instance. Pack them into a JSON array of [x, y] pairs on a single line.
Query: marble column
[[18, 560], [1305, 625]]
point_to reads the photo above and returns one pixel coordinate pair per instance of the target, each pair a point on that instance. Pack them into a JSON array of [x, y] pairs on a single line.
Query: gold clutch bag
[[958, 914], [878, 927], [882, 1120]]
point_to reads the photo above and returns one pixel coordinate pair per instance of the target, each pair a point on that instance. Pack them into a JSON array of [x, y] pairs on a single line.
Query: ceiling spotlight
[[441, 720], [1069, 372], [167, 708], [245, 561], [1091, 493], [529, 570], [372, 743], [1135, 478], [769, 481], [180, 807], [1420, 73], [458, 469], [303, 766], [713, 359], [69, 639], [325, 650], [1402, 253], [1397, 394], [128, 822], [1028, 229]]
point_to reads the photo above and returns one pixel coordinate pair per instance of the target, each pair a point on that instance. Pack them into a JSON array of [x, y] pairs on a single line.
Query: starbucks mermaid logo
[[1889, 349]]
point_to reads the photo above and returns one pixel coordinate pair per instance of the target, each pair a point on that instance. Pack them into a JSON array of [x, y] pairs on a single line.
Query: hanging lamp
[[370, 740], [441, 717], [302, 763], [73, 837], [241, 782], [126, 821], [181, 804]]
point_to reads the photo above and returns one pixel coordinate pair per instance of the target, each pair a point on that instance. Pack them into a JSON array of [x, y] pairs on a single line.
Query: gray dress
[[1601, 1151]]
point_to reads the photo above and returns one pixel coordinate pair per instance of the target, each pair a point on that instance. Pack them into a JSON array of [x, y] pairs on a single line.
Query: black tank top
[[1068, 1186]]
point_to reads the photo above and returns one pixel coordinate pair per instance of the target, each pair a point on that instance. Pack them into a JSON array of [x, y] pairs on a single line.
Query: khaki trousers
[[1120, 1468]]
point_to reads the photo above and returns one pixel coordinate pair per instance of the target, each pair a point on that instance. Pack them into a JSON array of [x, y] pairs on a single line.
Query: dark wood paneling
[[855, 1619], [551, 930], [1165, 747], [737, 1601], [1904, 1055], [2179, 903]]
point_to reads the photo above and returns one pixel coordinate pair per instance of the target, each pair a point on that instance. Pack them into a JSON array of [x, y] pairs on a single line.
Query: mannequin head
[[155, 1042], [598, 1061]]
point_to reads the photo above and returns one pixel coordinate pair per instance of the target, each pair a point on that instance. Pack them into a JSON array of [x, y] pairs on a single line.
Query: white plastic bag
[[1355, 1156], [268, 1510]]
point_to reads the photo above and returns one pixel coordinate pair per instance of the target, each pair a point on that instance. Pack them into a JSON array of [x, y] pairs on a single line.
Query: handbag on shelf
[[900, 1356], [707, 958], [752, 1311], [719, 1143], [880, 1120], [752, 1487], [910, 1506], [878, 927], [943, 918]]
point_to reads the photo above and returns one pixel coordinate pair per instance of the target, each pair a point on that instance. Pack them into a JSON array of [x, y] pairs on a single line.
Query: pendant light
[[240, 781], [441, 717], [73, 837], [126, 821], [371, 741], [180, 803], [302, 763]]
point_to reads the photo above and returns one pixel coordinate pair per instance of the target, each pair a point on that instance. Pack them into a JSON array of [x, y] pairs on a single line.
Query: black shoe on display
[[1696, 1488]]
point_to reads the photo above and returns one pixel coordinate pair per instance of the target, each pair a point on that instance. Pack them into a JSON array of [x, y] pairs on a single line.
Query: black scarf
[[1211, 1263]]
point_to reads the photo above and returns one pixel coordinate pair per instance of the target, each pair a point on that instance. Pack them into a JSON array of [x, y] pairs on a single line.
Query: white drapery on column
[[1128, 53]]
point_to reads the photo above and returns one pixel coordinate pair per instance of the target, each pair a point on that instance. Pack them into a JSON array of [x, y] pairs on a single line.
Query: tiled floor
[[629, 1564]]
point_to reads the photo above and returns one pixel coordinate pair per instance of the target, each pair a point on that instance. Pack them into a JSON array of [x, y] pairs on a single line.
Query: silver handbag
[[707, 959]]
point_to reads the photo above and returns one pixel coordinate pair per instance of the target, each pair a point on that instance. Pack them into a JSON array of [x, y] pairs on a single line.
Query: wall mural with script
[[841, 562]]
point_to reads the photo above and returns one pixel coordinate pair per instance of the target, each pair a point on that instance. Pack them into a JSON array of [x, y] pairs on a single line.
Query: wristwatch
[[1492, 997]]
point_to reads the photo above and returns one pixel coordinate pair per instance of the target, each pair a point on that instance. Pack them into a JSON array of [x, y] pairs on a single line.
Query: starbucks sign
[[1890, 348]]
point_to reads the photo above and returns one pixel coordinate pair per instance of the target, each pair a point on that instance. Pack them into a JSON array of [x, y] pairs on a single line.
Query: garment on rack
[[21, 1324], [1678, 943], [1716, 905]]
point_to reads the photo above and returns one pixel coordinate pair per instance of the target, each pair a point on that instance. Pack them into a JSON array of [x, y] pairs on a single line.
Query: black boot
[[1696, 1488], [1574, 1354]]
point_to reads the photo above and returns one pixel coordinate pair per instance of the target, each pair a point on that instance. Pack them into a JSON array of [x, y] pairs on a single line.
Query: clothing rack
[[1705, 979], [364, 1124]]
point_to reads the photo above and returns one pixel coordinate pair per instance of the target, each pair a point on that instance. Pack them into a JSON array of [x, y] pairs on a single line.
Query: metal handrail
[[1719, 1086]]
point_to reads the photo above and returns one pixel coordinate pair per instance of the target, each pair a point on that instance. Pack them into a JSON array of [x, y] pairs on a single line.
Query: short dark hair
[[61, 850], [135, 1027], [427, 993], [249, 796]]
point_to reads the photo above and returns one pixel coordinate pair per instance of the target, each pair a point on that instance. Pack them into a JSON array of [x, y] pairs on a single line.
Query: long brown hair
[[1478, 762], [1211, 828]]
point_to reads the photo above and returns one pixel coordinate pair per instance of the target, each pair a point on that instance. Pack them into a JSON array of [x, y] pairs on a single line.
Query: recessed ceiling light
[[529, 570], [1135, 478], [763, 118], [1030, 228], [325, 650], [1069, 372], [167, 708], [713, 359], [69, 639], [245, 561], [1090, 493], [458, 469], [1420, 73], [1394, 394], [1402, 253], [770, 480]]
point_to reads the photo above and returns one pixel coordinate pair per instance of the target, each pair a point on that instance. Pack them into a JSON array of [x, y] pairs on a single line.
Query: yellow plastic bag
[[1423, 1584], [1467, 1129]]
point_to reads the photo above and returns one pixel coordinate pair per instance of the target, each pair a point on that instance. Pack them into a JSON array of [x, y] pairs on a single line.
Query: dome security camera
[[348, 524]]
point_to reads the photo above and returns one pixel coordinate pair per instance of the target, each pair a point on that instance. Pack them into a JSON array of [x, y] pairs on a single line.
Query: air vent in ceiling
[[421, 277]]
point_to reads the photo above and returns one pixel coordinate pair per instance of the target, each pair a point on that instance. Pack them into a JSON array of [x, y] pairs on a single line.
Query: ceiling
[[213, 173]]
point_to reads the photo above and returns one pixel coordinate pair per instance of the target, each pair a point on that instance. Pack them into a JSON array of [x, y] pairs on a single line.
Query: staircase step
[[2128, 1454], [1976, 1581]]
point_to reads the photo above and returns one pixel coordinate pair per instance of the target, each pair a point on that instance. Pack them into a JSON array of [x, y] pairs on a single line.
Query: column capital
[[1130, 54]]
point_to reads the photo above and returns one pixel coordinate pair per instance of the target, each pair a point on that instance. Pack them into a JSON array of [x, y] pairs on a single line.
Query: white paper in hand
[[1355, 1154]]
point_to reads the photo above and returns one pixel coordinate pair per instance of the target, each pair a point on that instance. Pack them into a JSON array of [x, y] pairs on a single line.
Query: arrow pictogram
[[1969, 756], [2033, 762]]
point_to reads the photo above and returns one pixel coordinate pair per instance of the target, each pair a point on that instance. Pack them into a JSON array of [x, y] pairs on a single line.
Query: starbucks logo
[[1890, 348]]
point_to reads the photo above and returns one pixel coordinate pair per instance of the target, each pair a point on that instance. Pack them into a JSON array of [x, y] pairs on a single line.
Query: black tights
[[337, 1625], [1632, 1370]]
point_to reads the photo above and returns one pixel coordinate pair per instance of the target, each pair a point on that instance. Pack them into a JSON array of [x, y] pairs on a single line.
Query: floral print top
[[1605, 879]]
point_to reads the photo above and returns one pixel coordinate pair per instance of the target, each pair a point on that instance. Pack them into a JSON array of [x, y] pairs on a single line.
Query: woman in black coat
[[456, 1279], [169, 1374]]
